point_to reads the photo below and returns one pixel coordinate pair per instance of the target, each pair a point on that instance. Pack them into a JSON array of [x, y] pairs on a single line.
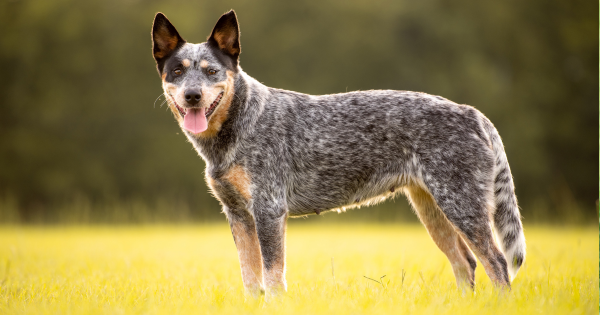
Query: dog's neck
[[221, 150]]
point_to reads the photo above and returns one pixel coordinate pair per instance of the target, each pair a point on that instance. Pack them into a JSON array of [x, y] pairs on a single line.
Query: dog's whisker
[[166, 108], [161, 104], [162, 94]]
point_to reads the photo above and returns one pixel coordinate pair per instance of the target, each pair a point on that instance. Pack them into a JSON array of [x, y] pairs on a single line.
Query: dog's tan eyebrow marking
[[185, 62], [204, 63]]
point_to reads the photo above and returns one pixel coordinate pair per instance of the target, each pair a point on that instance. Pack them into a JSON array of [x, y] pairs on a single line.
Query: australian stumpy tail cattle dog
[[272, 154]]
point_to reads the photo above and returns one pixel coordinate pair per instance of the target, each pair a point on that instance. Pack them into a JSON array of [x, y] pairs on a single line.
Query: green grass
[[194, 269]]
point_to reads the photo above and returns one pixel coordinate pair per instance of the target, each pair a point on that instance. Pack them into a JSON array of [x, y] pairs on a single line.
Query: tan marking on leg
[[216, 120], [443, 234], [246, 241], [238, 178], [204, 63], [275, 277], [469, 257], [185, 62]]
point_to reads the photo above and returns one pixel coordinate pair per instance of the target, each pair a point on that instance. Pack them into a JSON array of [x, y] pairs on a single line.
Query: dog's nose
[[192, 97]]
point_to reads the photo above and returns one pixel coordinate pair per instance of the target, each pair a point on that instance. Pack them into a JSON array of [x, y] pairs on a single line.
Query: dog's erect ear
[[165, 38], [226, 35]]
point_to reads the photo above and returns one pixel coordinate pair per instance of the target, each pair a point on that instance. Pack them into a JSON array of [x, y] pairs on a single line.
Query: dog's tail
[[507, 219]]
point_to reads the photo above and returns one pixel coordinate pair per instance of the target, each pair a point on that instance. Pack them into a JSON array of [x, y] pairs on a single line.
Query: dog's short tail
[[507, 219]]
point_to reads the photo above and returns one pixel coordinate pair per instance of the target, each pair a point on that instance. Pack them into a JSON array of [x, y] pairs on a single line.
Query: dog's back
[[344, 149]]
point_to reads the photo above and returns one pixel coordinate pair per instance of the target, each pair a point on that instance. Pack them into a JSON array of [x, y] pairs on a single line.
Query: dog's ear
[[165, 38], [226, 35]]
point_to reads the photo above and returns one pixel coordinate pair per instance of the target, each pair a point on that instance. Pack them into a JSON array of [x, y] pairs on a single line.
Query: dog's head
[[198, 79]]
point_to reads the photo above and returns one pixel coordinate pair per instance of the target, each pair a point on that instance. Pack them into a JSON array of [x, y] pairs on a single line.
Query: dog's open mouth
[[195, 119], [214, 104]]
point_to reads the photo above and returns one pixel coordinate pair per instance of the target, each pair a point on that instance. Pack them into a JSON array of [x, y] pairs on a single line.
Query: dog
[[272, 154]]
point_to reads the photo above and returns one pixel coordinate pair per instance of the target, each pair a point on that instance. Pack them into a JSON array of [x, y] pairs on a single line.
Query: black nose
[[192, 97]]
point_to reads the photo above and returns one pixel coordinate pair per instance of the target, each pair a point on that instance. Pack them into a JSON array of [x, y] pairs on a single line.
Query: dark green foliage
[[79, 121]]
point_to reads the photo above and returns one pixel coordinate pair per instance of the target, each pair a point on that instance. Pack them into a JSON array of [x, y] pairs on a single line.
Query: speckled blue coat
[[272, 154]]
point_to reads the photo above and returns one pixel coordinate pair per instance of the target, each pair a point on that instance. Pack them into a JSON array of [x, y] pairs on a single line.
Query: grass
[[194, 269]]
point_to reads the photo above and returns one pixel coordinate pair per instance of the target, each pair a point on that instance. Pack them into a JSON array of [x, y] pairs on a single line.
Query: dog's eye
[[177, 71], [212, 71]]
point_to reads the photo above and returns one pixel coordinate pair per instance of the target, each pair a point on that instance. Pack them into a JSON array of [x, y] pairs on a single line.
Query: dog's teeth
[[212, 106]]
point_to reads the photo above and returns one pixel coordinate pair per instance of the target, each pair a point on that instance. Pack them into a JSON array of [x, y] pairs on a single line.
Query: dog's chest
[[232, 186]]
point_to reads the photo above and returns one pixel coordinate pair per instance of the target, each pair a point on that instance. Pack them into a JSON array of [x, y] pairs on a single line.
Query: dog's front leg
[[246, 240], [270, 226]]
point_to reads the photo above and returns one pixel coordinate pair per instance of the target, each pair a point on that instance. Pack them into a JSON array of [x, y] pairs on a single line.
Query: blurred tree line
[[84, 133]]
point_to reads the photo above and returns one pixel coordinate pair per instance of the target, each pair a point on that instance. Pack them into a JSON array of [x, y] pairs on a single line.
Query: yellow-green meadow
[[194, 269]]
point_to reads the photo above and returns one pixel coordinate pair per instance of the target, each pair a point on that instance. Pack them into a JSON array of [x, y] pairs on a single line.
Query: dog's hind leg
[[443, 234], [246, 240], [469, 208]]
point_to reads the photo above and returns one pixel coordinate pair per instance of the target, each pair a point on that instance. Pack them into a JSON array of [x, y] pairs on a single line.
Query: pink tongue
[[195, 120]]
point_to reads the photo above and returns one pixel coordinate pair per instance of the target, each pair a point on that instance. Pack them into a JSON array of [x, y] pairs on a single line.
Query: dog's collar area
[[210, 109]]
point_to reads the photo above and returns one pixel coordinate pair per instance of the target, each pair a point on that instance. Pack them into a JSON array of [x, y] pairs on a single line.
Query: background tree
[[79, 123]]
